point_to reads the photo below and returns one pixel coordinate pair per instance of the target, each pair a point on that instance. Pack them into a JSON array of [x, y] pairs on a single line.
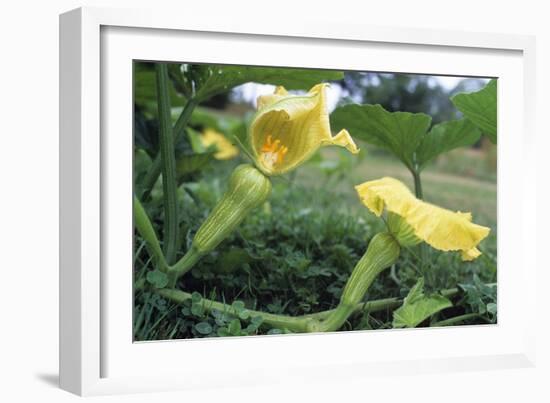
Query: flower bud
[[248, 189]]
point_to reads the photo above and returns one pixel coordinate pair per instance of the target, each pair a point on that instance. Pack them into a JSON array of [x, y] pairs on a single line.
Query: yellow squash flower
[[440, 228], [288, 129], [226, 150]]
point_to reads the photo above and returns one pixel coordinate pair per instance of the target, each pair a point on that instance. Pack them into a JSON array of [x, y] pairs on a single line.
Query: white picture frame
[[96, 354]]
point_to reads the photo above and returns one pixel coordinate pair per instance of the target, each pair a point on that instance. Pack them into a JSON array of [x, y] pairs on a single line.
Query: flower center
[[273, 152]]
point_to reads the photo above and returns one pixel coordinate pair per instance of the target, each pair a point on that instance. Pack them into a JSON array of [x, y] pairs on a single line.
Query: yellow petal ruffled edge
[[469, 255], [343, 139], [442, 229]]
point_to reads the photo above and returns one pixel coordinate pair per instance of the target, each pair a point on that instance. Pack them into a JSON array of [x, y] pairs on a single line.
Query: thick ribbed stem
[[146, 230], [382, 252], [455, 320], [294, 324], [182, 266], [168, 157], [417, 184], [156, 168]]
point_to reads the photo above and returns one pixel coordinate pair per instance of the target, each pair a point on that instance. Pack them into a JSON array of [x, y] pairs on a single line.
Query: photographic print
[[274, 200]]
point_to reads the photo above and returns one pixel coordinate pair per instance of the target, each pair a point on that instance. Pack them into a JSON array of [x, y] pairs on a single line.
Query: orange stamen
[[273, 151], [281, 154]]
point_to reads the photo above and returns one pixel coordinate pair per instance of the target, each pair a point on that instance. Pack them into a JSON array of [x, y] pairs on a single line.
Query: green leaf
[[238, 305], [187, 164], [145, 92], [235, 327], [231, 126], [203, 328], [157, 278], [195, 141], [398, 132], [251, 328], [417, 307], [481, 108], [211, 80], [257, 320], [213, 119], [479, 295], [244, 314], [223, 332], [197, 309], [444, 137], [142, 162]]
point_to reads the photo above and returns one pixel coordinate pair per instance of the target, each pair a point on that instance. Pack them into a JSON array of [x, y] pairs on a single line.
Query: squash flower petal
[[442, 229], [225, 150], [288, 129]]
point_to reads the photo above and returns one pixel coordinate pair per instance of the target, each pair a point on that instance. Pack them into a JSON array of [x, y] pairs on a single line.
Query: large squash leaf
[[404, 134], [205, 81], [444, 137], [481, 108], [398, 132]]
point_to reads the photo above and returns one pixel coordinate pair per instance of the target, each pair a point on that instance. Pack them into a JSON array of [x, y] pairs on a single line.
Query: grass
[[294, 255]]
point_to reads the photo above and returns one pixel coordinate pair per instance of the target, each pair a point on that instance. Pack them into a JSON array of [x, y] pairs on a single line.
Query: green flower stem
[[179, 128], [376, 305], [183, 265], [145, 228], [168, 156], [456, 319], [294, 324], [423, 248], [382, 252], [297, 324], [417, 184]]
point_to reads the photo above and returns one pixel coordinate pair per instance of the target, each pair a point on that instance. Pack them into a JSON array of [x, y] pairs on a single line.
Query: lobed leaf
[[444, 137], [398, 132], [481, 108], [214, 79]]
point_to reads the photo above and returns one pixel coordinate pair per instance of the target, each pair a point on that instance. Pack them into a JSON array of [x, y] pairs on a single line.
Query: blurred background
[[463, 179]]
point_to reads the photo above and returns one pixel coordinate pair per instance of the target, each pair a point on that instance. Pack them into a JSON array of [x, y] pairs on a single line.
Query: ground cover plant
[[282, 216]]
